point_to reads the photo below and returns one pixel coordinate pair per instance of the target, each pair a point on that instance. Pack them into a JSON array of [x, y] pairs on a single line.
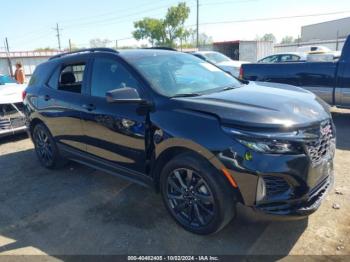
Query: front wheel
[[197, 196]]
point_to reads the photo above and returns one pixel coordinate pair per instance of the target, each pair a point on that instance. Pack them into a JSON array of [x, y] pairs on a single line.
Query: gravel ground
[[78, 210]]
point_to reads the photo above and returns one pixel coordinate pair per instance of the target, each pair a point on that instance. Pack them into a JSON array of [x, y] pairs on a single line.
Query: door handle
[[89, 107], [47, 97]]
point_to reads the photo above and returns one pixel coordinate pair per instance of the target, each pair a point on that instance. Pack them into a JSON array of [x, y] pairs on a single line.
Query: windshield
[[174, 73], [215, 57], [6, 80]]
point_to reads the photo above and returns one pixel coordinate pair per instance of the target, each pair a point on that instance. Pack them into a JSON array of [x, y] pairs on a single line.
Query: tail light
[[241, 73], [24, 94]]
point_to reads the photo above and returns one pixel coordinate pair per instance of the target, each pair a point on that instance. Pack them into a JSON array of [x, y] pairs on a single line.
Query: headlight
[[270, 147]]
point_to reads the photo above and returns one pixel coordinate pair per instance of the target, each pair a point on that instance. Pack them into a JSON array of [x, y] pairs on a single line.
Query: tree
[[268, 37], [97, 42], [45, 49], [287, 40], [191, 41], [297, 40], [164, 31]]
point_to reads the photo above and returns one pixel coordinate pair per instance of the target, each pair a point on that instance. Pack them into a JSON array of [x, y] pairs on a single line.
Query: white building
[[29, 60], [330, 30]]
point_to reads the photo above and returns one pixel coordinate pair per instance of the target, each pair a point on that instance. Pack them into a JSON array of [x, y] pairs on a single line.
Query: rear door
[[59, 103], [114, 132]]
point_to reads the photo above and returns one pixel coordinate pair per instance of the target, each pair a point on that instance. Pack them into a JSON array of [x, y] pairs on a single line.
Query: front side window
[[270, 59], [173, 73], [71, 78], [108, 74]]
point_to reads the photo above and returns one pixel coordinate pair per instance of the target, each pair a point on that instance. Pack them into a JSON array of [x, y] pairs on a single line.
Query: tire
[[197, 196], [46, 148]]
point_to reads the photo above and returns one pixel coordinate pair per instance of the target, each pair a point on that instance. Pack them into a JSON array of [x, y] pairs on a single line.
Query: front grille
[[275, 186], [5, 123], [11, 116], [324, 146]]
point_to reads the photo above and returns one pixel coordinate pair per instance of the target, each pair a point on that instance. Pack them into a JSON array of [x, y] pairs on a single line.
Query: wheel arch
[[170, 148], [33, 122]]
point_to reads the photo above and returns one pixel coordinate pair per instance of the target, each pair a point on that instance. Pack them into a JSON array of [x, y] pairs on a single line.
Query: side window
[[71, 78], [270, 59], [289, 58], [53, 80], [109, 74]]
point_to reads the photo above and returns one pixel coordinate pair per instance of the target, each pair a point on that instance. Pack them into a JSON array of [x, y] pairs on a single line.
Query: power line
[[118, 17], [108, 13], [271, 18]]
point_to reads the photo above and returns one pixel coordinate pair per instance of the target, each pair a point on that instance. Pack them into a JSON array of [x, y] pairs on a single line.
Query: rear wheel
[[197, 196], [46, 148]]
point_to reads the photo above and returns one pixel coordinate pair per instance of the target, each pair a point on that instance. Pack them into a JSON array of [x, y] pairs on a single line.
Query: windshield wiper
[[186, 95]]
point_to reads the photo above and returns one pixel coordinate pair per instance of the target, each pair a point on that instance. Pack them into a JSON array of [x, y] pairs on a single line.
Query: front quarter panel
[[202, 133]]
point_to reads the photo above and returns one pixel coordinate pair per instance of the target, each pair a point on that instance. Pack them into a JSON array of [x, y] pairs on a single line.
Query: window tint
[[71, 78], [109, 74]]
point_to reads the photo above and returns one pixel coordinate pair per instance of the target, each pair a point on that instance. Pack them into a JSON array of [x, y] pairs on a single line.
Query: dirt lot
[[78, 210]]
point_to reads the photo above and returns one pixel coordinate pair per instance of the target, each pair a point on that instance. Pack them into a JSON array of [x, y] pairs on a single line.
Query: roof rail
[[99, 49], [161, 48]]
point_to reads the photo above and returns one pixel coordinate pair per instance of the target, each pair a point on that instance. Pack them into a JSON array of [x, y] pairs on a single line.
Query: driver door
[[113, 132]]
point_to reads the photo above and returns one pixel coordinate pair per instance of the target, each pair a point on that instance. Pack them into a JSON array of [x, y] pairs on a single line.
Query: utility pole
[[197, 24], [70, 46], [116, 44], [7, 49], [57, 29]]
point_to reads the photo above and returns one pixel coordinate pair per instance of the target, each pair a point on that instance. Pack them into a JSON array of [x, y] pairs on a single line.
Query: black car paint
[[134, 140], [326, 77]]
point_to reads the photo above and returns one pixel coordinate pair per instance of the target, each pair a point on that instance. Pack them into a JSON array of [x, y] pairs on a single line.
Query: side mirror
[[124, 95]]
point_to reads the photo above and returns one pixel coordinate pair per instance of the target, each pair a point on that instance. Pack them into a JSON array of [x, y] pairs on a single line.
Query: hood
[[265, 105], [11, 93]]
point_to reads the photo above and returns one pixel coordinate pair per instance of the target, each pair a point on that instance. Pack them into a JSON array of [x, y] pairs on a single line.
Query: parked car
[[328, 80], [168, 120], [12, 118], [284, 57], [222, 61]]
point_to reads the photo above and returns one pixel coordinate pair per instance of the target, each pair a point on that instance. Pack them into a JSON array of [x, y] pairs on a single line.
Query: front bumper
[[301, 207], [295, 187]]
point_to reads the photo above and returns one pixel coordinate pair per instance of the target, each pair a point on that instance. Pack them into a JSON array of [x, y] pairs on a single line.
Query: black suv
[[176, 123]]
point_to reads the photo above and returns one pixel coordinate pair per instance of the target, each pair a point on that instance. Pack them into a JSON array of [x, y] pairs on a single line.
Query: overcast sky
[[29, 24]]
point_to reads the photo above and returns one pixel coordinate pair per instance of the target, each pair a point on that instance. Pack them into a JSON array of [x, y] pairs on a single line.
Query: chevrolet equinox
[[173, 122]]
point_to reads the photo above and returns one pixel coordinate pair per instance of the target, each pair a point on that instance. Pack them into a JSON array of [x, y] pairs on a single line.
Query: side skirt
[[105, 166]]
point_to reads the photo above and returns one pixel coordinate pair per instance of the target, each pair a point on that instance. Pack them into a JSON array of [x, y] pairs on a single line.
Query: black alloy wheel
[[190, 198], [197, 196], [45, 147]]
